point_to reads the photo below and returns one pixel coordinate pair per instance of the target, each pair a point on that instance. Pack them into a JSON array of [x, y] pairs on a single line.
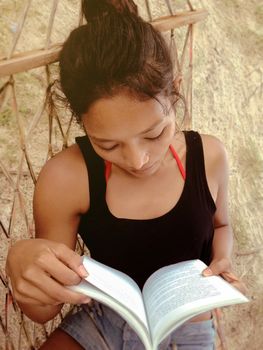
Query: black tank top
[[140, 247]]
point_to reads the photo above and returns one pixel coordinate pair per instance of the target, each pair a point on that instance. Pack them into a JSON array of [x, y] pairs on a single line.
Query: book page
[[97, 294], [178, 292], [117, 285]]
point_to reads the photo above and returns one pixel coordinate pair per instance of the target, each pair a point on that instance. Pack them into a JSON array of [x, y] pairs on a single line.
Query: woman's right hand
[[40, 270]]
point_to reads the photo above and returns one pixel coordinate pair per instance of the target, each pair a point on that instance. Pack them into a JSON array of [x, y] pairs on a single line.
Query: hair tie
[[94, 9]]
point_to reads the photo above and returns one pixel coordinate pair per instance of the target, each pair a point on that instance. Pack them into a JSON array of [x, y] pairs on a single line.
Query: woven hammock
[[19, 174]]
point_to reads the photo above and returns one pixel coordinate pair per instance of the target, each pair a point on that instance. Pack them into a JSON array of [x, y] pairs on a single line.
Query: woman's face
[[133, 135]]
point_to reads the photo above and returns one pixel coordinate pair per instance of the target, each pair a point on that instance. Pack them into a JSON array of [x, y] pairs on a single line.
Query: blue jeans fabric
[[98, 327]]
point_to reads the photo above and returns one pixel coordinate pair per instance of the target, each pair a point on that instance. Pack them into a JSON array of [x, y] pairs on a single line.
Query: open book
[[170, 296]]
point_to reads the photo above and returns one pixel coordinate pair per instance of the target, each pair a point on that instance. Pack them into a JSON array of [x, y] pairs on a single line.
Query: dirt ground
[[227, 91]]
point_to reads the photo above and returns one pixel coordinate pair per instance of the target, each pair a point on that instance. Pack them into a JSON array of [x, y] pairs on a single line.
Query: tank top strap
[[195, 165], [195, 168], [96, 168]]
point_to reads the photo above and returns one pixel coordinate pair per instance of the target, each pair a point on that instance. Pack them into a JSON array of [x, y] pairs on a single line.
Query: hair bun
[[99, 8]]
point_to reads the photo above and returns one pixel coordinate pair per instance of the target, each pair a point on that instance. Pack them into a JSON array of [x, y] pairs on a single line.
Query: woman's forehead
[[122, 117], [126, 111]]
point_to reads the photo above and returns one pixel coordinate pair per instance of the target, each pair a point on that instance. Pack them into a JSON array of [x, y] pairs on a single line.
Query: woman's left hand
[[223, 267]]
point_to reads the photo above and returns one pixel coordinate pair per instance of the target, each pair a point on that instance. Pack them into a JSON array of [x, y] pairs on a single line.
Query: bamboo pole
[[29, 60], [20, 28], [190, 5], [37, 58], [168, 4], [163, 24], [4, 229], [51, 23], [147, 5], [190, 76]]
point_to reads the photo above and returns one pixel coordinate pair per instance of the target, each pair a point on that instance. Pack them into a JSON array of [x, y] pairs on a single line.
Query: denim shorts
[[97, 327]]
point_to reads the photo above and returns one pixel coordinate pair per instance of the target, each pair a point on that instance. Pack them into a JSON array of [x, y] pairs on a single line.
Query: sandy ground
[[227, 90]]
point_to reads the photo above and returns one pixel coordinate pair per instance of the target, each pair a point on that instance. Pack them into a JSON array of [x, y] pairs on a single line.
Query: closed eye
[[156, 137], [108, 149]]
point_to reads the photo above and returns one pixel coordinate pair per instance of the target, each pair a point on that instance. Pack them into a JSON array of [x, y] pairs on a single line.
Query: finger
[[71, 258], [240, 286], [27, 293], [39, 298], [230, 276], [52, 288], [60, 293], [56, 268]]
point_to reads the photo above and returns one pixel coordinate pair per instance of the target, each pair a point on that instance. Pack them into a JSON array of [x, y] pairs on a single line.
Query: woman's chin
[[144, 172]]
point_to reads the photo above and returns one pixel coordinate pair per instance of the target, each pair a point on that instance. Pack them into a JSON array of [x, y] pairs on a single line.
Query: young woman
[[141, 193]]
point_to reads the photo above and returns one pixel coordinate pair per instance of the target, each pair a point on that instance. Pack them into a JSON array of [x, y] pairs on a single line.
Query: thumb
[[217, 267], [207, 272]]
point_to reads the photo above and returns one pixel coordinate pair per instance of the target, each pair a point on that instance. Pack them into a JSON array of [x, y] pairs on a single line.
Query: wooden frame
[[37, 58]]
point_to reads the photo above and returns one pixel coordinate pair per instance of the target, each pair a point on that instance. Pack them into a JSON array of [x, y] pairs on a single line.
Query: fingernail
[[83, 271], [207, 272]]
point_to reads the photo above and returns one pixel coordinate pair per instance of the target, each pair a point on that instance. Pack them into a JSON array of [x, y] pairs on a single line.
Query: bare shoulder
[[68, 159], [64, 177], [215, 155], [214, 149]]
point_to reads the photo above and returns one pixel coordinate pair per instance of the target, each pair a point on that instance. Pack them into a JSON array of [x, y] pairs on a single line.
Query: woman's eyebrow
[[151, 127], [141, 133]]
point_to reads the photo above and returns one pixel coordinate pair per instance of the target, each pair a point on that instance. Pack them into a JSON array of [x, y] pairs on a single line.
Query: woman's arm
[[40, 268], [217, 172]]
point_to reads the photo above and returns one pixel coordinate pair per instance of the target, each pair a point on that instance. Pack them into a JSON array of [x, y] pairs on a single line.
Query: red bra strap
[[107, 170], [178, 161]]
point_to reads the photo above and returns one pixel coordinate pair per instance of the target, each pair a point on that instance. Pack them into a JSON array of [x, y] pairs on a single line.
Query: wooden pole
[[164, 24], [37, 58], [29, 60]]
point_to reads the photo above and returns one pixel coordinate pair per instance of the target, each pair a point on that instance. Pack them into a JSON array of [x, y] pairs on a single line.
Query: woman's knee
[[59, 340]]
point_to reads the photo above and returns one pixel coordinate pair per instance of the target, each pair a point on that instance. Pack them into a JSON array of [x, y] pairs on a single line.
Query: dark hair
[[116, 50]]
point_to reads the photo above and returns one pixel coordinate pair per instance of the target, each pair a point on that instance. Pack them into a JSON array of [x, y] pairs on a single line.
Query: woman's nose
[[136, 158]]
